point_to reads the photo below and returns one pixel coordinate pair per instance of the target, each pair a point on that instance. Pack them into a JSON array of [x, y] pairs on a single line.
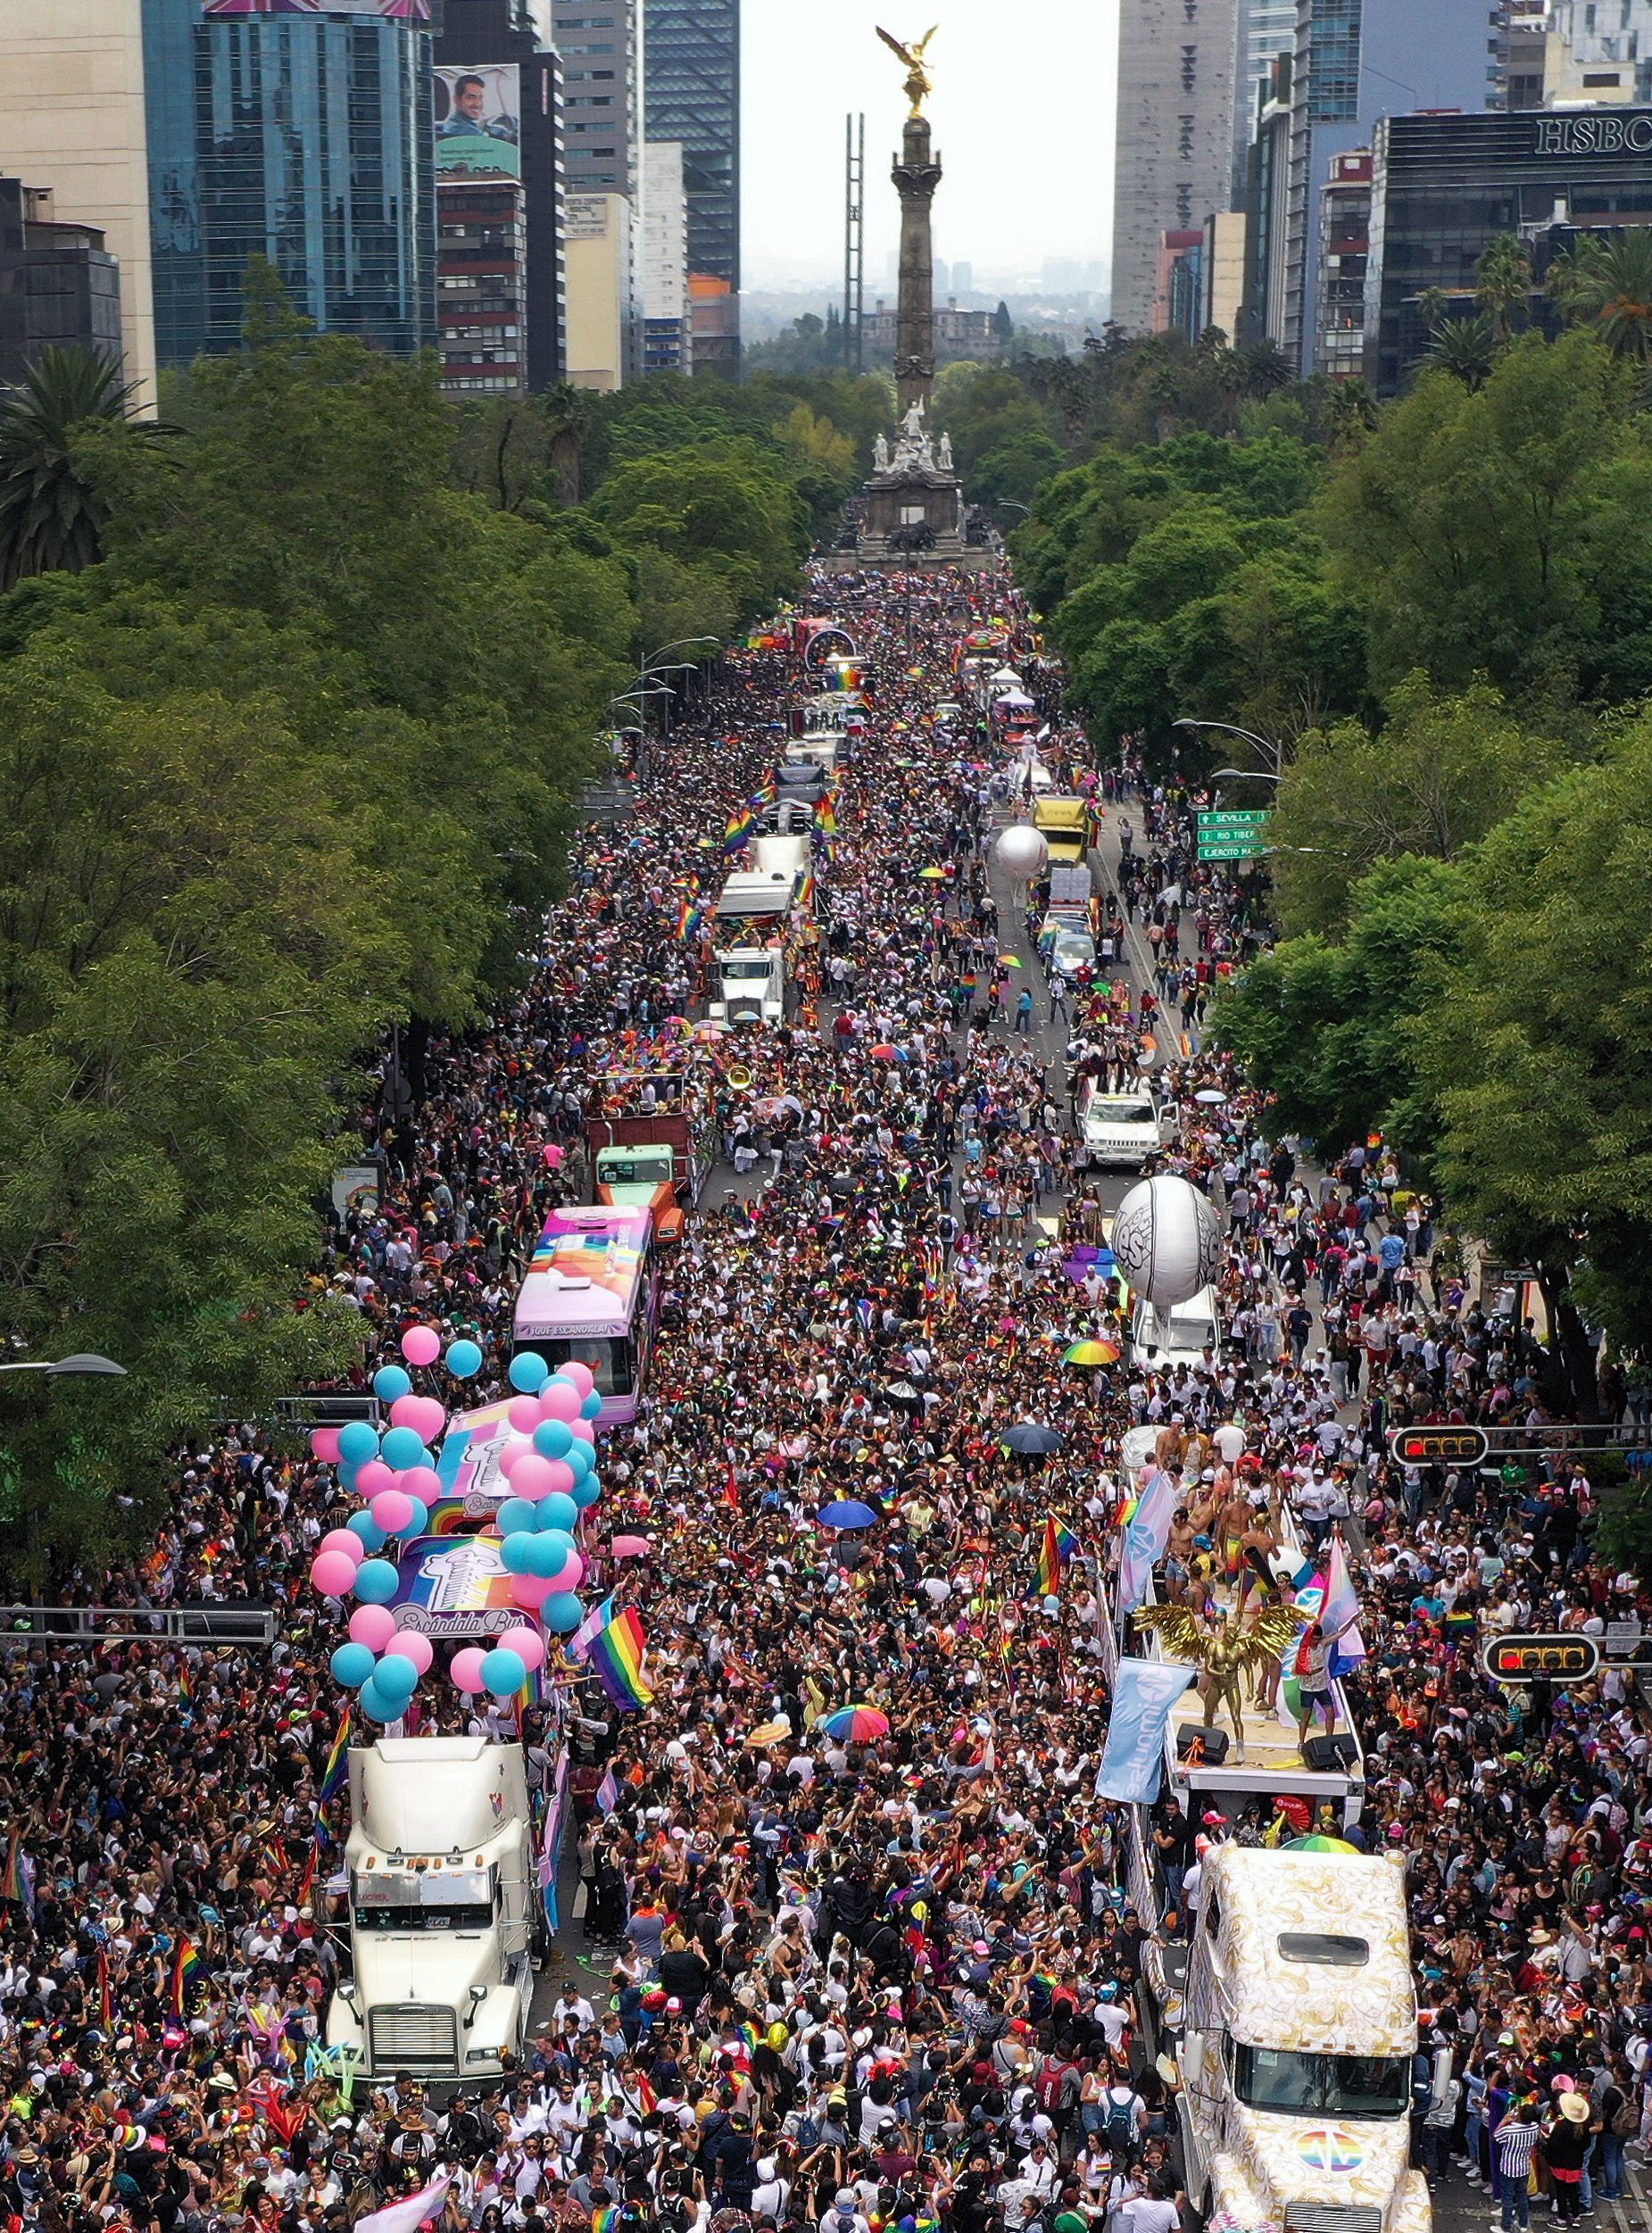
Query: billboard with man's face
[[478, 121], [388, 11]]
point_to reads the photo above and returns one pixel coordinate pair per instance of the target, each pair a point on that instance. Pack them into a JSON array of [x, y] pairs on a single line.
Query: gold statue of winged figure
[[1223, 1647], [918, 85]]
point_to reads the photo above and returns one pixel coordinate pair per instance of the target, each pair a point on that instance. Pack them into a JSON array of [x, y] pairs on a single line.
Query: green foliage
[[1438, 776], [724, 508], [1606, 282], [51, 516]]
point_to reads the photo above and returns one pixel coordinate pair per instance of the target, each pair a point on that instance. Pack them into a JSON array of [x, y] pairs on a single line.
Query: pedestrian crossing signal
[[1528, 1658]]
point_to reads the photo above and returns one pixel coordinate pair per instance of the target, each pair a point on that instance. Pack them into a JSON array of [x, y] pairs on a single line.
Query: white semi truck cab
[[1301, 2031], [751, 984], [444, 1909]]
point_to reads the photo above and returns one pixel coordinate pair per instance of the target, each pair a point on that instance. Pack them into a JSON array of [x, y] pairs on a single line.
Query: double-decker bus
[[591, 1295]]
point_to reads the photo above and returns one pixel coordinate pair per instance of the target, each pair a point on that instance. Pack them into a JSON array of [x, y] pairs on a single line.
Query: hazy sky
[[1022, 113]]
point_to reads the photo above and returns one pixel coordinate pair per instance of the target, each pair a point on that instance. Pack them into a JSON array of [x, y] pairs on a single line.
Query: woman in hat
[[1567, 2140]]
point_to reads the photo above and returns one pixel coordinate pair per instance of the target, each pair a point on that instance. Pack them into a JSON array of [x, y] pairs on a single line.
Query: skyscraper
[[600, 46], [665, 258], [1357, 61], [1173, 157], [692, 70], [1263, 30], [307, 138]]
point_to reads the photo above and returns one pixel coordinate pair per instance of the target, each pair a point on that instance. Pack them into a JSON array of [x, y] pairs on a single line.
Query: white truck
[[1296, 2059], [445, 1909], [751, 984]]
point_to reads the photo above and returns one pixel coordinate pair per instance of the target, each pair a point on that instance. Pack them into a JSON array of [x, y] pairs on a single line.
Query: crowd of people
[[893, 1985]]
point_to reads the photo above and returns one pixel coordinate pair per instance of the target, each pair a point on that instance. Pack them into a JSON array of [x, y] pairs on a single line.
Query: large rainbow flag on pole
[[336, 1769], [615, 1655]]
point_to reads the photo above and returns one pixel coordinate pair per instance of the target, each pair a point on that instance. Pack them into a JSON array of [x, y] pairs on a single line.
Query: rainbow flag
[[12, 1877], [1067, 1542], [689, 918], [106, 1996], [739, 829], [604, 2220], [615, 1654], [336, 1771], [826, 818], [186, 1688], [186, 1968], [1047, 1573]]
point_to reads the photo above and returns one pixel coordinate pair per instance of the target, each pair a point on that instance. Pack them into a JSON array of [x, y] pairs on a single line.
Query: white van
[[1180, 1336]]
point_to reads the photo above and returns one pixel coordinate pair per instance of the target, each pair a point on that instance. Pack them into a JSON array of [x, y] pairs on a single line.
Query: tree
[[1465, 348], [1440, 773], [1003, 326], [51, 516], [1503, 284], [722, 507], [1607, 283]]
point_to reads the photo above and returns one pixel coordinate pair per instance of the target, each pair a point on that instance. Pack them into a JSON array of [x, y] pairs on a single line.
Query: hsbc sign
[[1598, 133]]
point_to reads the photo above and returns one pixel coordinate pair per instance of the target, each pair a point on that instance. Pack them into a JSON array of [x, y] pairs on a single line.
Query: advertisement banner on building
[[478, 121], [386, 11]]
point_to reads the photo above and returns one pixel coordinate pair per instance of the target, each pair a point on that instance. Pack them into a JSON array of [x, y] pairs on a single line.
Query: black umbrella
[[1027, 1439]]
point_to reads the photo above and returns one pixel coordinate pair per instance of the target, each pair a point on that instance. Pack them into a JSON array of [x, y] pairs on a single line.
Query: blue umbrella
[[1027, 1439], [848, 1513]]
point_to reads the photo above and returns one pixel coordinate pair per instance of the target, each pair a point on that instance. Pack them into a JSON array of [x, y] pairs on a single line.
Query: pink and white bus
[[590, 1294]]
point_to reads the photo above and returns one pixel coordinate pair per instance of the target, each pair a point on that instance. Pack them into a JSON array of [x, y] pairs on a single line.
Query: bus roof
[[586, 1275]]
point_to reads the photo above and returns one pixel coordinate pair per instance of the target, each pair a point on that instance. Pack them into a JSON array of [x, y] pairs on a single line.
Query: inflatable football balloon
[[1021, 852], [1166, 1240]]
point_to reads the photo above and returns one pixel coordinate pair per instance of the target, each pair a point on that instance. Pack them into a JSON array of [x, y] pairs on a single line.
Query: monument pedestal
[[912, 508]]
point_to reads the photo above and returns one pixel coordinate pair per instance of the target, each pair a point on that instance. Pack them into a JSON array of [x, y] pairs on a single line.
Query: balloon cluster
[[551, 1464]]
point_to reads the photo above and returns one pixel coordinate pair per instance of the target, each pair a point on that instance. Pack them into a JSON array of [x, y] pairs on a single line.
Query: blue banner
[[1145, 1690]]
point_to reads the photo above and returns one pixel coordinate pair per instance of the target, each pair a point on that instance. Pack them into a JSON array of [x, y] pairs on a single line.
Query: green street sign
[[1230, 848], [1223, 824]]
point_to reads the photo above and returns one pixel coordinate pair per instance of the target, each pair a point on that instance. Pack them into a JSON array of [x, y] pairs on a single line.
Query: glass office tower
[[306, 138], [690, 55]]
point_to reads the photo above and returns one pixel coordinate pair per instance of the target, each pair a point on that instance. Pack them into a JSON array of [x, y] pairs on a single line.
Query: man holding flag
[[1324, 1654]]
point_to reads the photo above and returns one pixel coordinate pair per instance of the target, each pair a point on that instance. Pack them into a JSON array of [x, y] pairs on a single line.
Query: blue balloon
[[375, 1581], [592, 1407], [389, 1381], [515, 1516], [402, 1447], [558, 1511], [421, 1520], [380, 1706], [503, 1671], [516, 1552], [544, 1556], [358, 1442], [366, 1526], [529, 1373], [464, 1359], [396, 1677], [553, 1438], [352, 1665], [562, 1613], [579, 1456], [587, 1491], [562, 1542]]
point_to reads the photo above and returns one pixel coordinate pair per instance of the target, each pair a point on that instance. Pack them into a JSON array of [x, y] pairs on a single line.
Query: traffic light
[[1438, 1446], [1524, 1659]]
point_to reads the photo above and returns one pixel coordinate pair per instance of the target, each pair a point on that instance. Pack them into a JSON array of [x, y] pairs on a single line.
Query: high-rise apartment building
[[692, 74], [665, 336], [1599, 51], [71, 120], [1263, 31], [307, 138], [1355, 61], [59, 285], [500, 283], [1173, 157], [600, 46]]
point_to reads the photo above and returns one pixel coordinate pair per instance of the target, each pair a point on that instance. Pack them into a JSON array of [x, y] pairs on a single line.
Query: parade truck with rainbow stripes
[[1301, 2038], [444, 1910]]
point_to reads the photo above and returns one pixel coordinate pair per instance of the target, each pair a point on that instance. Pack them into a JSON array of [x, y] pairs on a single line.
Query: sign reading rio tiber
[[1230, 834]]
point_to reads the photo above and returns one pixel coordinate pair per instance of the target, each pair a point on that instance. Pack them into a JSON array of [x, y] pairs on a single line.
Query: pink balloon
[[582, 1376], [528, 1643], [333, 1573], [411, 1643], [340, 1538], [374, 1476], [373, 1625], [401, 1411], [536, 1477], [427, 1416], [582, 1430], [466, 1669], [422, 1481], [392, 1510], [562, 1481], [421, 1345], [529, 1591], [525, 1414], [512, 1455], [570, 1576], [324, 1442], [558, 1400]]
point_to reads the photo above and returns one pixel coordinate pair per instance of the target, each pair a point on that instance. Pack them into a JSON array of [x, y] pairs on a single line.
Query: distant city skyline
[[1024, 182]]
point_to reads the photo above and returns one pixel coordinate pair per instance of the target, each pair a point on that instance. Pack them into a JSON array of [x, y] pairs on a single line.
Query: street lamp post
[[82, 1365], [1274, 754]]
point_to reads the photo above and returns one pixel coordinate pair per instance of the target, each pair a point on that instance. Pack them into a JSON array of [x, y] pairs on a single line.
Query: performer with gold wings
[[1223, 1650], [919, 83]]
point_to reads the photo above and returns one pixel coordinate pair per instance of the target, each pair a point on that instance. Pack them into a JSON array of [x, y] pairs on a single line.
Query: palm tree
[[1503, 283], [1267, 369], [1466, 348], [51, 518], [1608, 284], [1350, 414]]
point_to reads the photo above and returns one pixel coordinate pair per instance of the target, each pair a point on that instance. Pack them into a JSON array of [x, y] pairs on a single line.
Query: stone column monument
[[917, 174]]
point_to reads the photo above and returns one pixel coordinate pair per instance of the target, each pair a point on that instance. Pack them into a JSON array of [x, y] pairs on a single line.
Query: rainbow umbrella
[[882, 1052], [858, 1724], [1011, 962], [1093, 1353], [933, 876], [1318, 1843]]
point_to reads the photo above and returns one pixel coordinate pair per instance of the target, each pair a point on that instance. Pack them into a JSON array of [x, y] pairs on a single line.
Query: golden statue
[[1223, 1650], [918, 85]]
